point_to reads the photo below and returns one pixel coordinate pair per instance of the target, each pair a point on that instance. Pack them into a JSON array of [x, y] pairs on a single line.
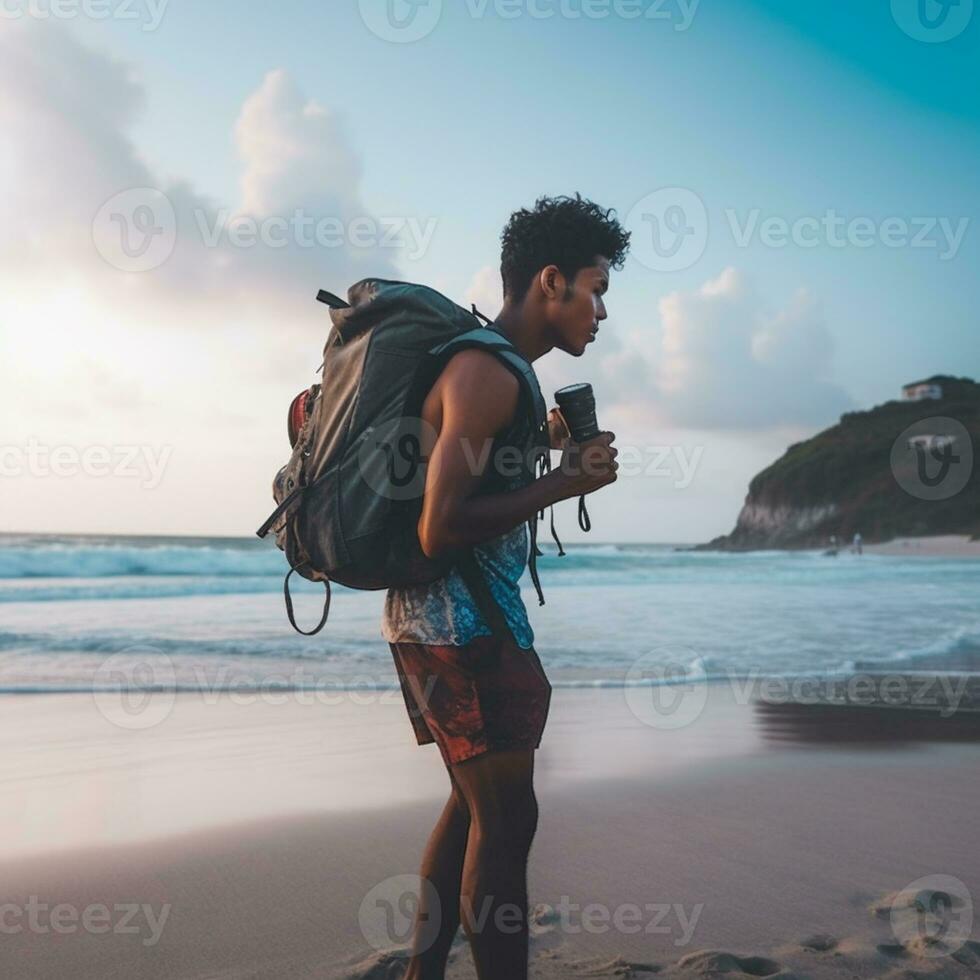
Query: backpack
[[350, 497]]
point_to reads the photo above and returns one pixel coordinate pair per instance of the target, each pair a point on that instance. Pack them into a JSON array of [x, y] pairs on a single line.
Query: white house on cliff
[[919, 391]]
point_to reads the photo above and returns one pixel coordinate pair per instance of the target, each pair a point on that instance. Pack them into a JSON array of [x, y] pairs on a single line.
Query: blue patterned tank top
[[443, 612]]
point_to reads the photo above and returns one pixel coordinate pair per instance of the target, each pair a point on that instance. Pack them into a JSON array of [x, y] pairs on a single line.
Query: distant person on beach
[[482, 699], [856, 544]]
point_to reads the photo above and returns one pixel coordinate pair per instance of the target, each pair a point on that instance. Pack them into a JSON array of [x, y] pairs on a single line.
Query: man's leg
[[442, 865], [498, 789]]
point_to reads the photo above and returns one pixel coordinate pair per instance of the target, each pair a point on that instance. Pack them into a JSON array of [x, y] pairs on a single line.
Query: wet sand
[[267, 841]]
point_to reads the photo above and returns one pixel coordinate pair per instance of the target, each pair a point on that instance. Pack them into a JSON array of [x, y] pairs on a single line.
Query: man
[[483, 699]]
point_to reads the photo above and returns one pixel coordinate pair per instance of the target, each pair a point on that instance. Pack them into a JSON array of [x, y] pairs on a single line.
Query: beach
[[258, 836], [936, 546]]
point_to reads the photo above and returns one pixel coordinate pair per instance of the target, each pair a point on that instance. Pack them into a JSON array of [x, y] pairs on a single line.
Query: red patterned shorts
[[481, 697]]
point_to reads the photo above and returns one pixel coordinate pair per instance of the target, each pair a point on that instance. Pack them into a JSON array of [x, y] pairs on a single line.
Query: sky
[[180, 178]]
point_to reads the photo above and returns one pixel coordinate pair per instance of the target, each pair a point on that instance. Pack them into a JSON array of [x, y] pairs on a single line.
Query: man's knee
[[509, 824], [498, 789], [459, 801]]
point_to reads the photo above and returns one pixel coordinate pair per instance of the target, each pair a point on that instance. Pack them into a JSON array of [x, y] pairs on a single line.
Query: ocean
[[207, 613]]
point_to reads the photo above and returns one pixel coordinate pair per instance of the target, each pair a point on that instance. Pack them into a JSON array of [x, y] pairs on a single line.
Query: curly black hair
[[568, 232]]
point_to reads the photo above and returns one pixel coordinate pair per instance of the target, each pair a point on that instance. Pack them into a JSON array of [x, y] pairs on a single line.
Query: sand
[[747, 842], [939, 546]]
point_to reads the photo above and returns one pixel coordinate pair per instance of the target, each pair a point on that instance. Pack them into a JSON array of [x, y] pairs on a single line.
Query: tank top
[[443, 613]]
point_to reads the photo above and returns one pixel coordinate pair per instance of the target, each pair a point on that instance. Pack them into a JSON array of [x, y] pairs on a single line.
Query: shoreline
[[927, 546], [937, 546]]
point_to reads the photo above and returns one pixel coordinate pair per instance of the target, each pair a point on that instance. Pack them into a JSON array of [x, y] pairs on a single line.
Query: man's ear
[[552, 282]]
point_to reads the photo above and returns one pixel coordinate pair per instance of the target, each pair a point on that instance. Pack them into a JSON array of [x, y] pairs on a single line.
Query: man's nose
[[600, 313]]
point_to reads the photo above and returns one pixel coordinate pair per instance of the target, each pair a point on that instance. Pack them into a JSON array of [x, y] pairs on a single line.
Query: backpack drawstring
[[477, 313], [545, 467]]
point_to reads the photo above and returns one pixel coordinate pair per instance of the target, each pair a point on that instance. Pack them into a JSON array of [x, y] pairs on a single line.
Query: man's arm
[[478, 398]]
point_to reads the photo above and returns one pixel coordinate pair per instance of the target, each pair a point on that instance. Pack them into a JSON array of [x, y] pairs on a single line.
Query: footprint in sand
[[930, 918], [543, 919], [616, 967], [921, 900], [380, 966], [820, 943], [967, 954], [707, 962]]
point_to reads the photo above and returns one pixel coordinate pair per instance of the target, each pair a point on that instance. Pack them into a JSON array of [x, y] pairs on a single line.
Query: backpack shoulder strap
[[476, 582], [487, 338]]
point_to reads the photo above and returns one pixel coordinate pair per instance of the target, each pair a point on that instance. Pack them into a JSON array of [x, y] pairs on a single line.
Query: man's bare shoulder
[[476, 378]]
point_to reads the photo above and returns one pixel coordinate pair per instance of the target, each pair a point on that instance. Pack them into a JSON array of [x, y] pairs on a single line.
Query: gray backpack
[[350, 497]]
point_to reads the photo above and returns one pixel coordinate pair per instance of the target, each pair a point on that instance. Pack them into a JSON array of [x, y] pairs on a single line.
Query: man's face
[[575, 319]]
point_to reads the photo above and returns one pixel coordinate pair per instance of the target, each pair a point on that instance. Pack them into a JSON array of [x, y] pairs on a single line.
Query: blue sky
[[784, 111], [790, 108]]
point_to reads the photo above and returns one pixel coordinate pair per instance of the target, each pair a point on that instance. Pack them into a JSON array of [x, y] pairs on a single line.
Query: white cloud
[[297, 154], [201, 354], [717, 359], [727, 362], [69, 111]]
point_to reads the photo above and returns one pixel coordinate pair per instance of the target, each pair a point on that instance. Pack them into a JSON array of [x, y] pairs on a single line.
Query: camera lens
[[577, 405]]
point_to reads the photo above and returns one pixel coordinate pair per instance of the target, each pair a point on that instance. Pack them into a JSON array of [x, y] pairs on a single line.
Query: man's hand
[[587, 466], [558, 433]]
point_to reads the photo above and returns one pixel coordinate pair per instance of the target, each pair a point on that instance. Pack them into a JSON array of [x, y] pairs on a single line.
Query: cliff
[[864, 474]]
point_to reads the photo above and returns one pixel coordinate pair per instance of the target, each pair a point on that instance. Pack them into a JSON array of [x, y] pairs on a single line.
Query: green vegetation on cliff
[[860, 476]]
